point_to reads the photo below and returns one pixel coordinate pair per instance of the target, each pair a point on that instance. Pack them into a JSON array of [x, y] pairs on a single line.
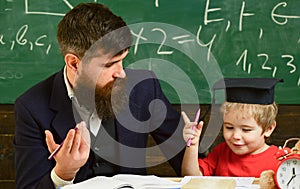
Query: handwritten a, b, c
[[21, 40]]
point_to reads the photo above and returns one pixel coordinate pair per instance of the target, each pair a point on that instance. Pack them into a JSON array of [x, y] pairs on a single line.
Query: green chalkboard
[[188, 44]]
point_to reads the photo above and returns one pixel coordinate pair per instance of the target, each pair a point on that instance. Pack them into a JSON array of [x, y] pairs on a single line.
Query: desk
[[218, 182], [150, 181]]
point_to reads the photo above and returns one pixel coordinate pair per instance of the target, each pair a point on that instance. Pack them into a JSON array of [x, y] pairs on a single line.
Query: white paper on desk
[[98, 183], [241, 182], [253, 186], [149, 181], [127, 181], [245, 183]]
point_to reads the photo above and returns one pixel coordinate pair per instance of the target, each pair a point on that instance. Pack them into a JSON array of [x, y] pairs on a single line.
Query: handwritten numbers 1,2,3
[[288, 59]]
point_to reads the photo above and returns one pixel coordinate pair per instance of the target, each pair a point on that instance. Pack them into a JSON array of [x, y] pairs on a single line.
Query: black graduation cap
[[248, 90]]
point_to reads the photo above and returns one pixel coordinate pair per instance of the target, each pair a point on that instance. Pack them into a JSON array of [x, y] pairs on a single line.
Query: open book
[[126, 181]]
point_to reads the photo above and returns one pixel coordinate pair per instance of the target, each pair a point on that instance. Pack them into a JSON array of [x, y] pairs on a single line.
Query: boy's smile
[[242, 134]]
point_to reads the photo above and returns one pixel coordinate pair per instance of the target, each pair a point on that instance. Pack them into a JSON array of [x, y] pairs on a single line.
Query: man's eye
[[108, 65], [111, 64]]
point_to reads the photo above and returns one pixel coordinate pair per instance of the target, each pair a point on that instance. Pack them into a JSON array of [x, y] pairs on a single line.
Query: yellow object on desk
[[211, 183]]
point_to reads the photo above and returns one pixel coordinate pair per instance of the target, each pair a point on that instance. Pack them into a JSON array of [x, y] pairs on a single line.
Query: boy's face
[[242, 134]]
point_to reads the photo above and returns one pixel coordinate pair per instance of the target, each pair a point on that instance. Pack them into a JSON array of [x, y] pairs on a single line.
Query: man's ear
[[72, 62], [72, 65], [270, 130]]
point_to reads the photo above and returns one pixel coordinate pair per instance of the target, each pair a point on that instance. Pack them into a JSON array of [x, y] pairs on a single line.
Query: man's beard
[[110, 99]]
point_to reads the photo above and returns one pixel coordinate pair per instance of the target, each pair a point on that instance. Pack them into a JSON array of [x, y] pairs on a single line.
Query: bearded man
[[115, 109]]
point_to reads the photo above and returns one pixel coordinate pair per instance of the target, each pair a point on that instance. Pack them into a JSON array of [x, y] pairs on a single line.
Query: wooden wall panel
[[7, 171]]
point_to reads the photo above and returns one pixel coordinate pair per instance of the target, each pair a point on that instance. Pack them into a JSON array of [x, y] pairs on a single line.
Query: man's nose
[[120, 72]]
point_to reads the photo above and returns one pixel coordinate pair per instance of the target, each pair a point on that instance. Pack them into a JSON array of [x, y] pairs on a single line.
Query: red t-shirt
[[223, 162]]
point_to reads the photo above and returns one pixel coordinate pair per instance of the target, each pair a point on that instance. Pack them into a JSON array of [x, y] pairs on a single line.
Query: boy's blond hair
[[264, 115]]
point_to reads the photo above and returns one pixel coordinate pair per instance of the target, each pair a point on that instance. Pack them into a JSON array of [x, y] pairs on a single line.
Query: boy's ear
[[270, 130]]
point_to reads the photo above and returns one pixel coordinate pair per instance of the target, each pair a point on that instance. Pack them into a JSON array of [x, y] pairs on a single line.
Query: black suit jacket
[[46, 106]]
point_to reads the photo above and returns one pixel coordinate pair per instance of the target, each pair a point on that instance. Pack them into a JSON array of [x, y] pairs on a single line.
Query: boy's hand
[[191, 129]]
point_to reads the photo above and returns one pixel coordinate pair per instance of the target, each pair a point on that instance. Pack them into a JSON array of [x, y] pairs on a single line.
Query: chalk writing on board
[[276, 16], [8, 74], [181, 39], [208, 18], [30, 11], [159, 51], [209, 10], [289, 59], [242, 59], [21, 40], [156, 3], [2, 40]]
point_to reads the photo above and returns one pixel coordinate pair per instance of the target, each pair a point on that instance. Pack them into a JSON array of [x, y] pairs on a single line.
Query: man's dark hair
[[86, 23]]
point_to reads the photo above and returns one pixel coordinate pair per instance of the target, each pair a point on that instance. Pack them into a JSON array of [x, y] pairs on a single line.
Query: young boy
[[249, 114]]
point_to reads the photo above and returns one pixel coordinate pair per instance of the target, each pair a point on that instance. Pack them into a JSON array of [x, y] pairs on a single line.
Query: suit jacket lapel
[[63, 119], [61, 103]]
